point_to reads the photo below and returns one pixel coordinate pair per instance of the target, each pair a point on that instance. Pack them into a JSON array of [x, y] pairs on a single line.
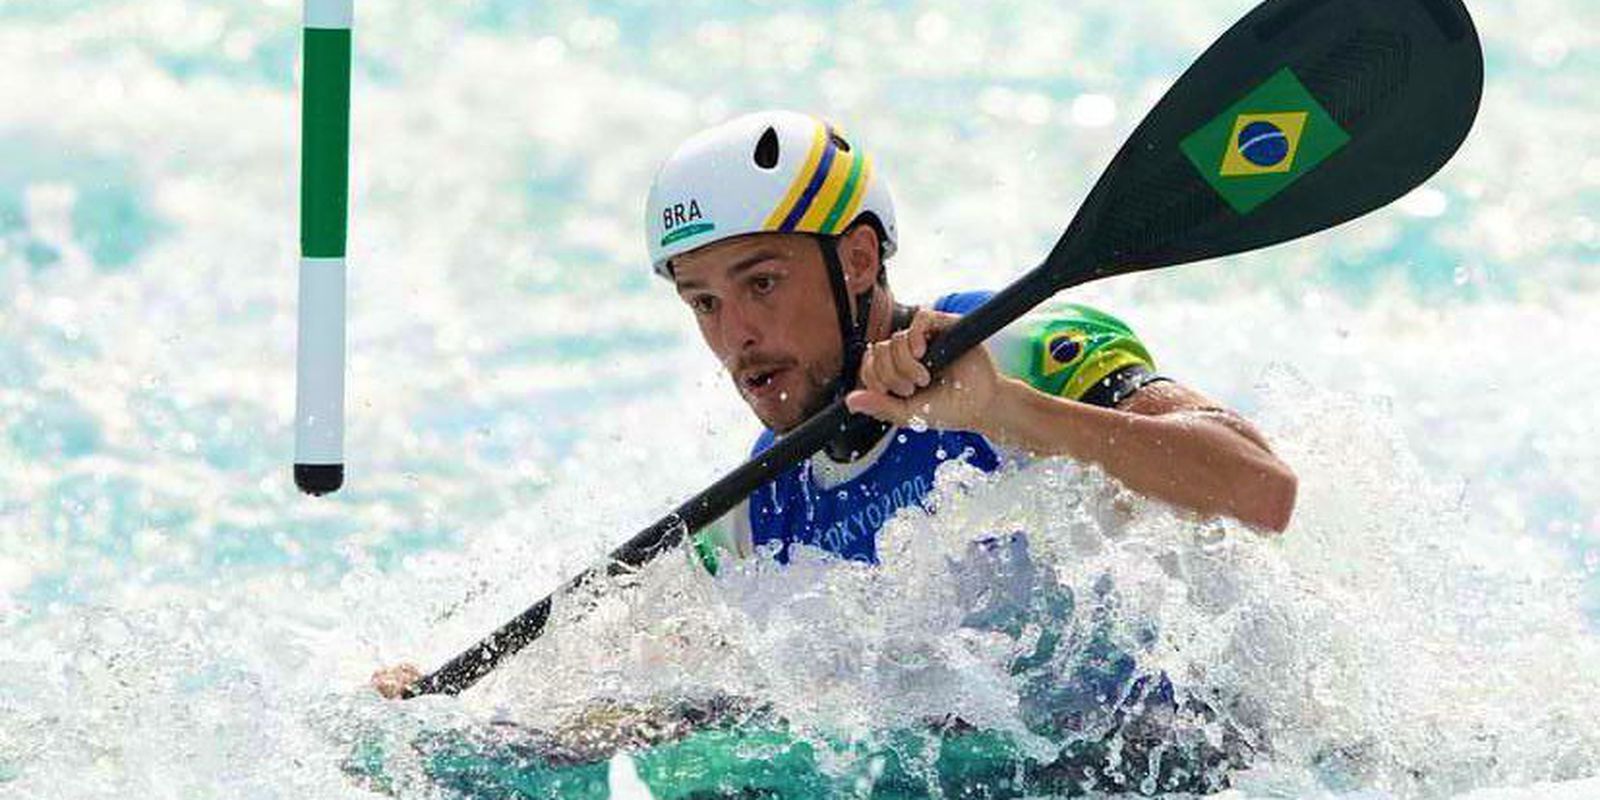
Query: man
[[774, 230]]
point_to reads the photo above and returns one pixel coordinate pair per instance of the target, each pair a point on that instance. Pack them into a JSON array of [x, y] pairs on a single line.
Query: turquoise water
[[177, 621]]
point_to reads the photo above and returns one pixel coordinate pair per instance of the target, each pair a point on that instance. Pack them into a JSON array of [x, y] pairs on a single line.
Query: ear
[[859, 255]]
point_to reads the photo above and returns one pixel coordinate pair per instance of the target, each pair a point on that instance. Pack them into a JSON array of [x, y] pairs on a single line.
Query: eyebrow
[[738, 267]]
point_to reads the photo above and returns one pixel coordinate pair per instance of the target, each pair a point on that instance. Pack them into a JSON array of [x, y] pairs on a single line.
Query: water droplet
[[1424, 201], [1093, 110]]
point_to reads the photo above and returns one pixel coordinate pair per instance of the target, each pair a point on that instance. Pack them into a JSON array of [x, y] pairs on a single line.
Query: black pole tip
[[319, 479]]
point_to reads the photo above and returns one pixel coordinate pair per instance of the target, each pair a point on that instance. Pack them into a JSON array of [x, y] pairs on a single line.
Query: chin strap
[[860, 433], [853, 331]]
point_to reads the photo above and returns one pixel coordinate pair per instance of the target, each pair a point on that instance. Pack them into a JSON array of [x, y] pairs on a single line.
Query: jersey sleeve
[[1076, 352], [731, 536], [728, 537]]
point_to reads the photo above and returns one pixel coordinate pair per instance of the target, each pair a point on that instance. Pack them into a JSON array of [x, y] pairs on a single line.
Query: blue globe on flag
[[1263, 144]]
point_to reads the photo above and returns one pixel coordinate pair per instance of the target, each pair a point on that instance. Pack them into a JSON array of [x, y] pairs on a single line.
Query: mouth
[[761, 382]]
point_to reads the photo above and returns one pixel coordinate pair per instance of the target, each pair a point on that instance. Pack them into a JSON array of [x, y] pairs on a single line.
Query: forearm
[[1188, 459]]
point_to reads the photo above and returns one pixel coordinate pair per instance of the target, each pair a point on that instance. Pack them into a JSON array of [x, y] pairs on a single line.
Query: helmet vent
[[838, 141], [767, 150]]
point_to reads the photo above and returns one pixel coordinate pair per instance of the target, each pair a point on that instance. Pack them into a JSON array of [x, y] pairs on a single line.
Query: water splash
[[170, 609], [1382, 643]]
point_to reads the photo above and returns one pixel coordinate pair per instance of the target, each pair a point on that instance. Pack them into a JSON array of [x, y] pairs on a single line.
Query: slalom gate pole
[[324, 208]]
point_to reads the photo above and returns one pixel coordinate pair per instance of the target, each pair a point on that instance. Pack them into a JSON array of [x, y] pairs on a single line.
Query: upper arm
[[1170, 397], [1083, 354]]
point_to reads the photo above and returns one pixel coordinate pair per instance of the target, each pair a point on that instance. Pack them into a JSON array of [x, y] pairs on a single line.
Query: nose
[[740, 327]]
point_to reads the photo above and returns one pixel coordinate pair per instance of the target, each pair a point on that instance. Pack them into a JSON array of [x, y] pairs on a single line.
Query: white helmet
[[767, 172]]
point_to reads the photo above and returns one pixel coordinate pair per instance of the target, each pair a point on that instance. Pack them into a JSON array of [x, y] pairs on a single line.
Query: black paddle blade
[[1305, 114]]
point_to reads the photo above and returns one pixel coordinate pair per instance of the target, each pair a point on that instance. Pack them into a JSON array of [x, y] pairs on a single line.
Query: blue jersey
[[844, 519], [1069, 351]]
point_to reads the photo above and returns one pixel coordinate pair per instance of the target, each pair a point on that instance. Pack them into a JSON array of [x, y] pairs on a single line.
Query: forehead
[[720, 260]]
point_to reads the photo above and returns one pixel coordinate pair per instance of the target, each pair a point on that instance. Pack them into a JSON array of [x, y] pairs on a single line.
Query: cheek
[[794, 327], [821, 326], [711, 335]]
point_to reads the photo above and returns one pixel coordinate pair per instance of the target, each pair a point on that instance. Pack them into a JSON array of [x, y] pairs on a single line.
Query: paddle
[[1303, 115]]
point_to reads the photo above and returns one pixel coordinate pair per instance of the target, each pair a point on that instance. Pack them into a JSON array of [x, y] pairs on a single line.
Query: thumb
[[879, 405]]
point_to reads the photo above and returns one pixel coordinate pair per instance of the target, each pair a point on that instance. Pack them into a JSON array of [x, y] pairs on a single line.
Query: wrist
[[1005, 409]]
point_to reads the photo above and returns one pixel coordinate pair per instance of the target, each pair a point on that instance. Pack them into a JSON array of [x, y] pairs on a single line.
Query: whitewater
[[176, 620]]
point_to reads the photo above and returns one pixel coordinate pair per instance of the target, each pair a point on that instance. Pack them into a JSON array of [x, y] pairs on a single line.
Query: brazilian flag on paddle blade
[[1264, 142]]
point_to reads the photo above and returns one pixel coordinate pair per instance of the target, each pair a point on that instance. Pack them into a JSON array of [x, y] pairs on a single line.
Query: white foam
[[176, 621]]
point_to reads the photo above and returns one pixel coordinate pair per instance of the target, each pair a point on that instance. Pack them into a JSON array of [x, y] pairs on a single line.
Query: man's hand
[[391, 682], [896, 388]]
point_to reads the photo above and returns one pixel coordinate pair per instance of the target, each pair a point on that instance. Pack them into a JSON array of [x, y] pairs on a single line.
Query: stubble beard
[[818, 393]]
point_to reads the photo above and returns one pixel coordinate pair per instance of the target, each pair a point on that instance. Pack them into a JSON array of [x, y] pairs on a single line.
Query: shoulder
[[1078, 352], [763, 442], [961, 302], [730, 535]]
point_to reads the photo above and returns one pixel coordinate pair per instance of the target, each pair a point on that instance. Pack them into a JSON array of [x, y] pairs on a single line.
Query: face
[[765, 308]]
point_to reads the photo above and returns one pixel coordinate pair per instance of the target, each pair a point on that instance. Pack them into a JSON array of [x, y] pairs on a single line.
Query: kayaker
[[774, 229]]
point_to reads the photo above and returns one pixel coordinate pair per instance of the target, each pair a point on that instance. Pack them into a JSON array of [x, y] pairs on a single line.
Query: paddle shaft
[[464, 670]]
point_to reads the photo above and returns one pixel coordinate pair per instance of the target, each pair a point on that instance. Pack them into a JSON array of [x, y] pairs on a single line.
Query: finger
[[391, 682], [869, 370], [880, 406], [889, 372], [926, 326], [920, 332], [906, 363], [883, 377], [384, 684]]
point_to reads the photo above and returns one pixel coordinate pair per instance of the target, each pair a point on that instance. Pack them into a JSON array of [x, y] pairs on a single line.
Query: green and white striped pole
[[324, 205]]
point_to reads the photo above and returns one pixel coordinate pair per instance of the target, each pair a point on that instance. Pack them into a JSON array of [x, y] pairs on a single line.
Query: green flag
[[1264, 142]]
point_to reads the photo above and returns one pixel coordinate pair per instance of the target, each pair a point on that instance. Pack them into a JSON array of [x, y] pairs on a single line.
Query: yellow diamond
[[1263, 144]]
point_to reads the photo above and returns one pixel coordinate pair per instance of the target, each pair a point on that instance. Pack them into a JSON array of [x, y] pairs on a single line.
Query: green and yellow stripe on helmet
[[827, 191]]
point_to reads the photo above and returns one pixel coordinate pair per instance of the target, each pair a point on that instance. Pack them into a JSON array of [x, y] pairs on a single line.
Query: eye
[[703, 304], [763, 284]]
